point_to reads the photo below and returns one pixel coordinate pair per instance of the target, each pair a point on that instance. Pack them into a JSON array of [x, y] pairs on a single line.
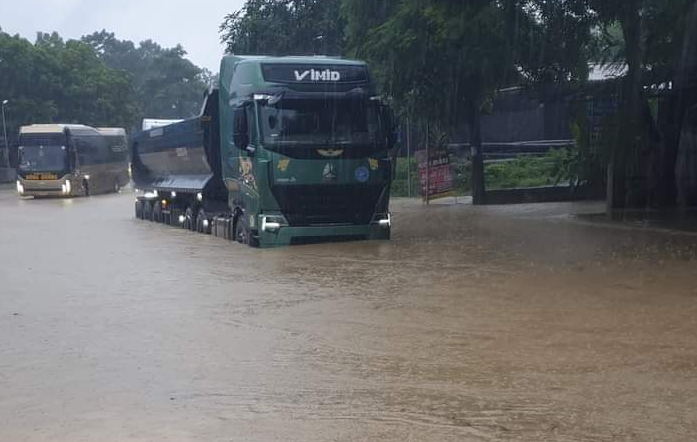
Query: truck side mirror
[[240, 128]]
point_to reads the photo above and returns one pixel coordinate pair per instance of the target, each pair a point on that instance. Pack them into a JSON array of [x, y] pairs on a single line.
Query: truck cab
[[307, 150]]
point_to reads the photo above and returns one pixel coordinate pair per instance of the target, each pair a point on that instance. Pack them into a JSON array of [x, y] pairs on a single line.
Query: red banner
[[436, 172]]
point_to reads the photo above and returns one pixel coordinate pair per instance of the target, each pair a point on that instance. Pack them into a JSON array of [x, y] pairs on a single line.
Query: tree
[[165, 83], [284, 27], [650, 43], [63, 82], [440, 60]]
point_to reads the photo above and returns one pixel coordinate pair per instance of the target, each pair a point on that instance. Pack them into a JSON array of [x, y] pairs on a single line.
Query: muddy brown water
[[484, 324]]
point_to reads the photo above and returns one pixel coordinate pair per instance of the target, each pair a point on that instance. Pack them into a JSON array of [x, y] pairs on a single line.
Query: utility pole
[[408, 158], [6, 146], [428, 165]]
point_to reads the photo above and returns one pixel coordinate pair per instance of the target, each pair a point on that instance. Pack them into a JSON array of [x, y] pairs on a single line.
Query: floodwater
[[484, 324]]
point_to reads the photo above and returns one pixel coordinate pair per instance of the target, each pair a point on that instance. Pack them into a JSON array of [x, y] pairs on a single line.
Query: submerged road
[[483, 324]]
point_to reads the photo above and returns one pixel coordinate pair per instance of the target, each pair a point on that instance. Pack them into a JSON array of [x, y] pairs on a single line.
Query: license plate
[[42, 176]]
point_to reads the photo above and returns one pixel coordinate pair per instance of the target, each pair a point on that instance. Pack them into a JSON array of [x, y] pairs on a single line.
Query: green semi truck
[[286, 150]]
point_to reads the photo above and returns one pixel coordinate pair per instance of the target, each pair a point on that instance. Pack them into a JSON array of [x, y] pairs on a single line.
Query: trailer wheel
[[139, 209], [147, 211], [243, 234], [189, 221], [200, 218], [157, 212]]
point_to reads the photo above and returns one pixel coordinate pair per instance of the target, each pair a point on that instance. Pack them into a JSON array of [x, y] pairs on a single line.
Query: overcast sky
[[192, 23]]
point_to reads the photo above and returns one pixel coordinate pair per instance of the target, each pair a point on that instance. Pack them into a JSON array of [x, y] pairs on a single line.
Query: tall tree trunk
[[478, 184], [622, 164], [684, 117]]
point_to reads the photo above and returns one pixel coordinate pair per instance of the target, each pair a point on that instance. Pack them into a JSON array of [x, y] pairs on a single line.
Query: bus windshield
[[321, 122], [45, 153]]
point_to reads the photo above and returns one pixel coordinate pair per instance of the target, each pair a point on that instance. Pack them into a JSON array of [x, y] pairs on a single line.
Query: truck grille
[[313, 205]]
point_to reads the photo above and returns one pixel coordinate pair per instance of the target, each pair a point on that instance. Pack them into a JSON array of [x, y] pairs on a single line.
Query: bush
[[400, 185], [555, 167]]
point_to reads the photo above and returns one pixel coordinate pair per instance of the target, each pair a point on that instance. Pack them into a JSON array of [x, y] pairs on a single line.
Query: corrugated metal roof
[[49, 128], [606, 71], [112, 130]]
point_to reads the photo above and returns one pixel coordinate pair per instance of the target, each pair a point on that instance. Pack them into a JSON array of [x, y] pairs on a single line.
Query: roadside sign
[[435, 180]]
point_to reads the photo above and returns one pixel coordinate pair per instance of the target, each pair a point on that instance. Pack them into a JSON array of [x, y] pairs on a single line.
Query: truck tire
[[189, 219], [243, 234], [147, 211], [200, 218], [139, 209], [240, 231], [157, 212]]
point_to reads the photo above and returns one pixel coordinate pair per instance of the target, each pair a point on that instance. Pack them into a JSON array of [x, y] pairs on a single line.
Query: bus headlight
[[20, 188]]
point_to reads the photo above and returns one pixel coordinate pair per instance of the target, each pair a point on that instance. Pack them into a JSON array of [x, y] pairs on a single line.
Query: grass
[[520, 172]]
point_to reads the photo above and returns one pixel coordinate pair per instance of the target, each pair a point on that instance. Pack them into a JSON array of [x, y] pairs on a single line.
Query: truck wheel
[[189, 220], [147, 211], [200, 218], [157, 212], [243, 234], [85, 188], [139, 209]]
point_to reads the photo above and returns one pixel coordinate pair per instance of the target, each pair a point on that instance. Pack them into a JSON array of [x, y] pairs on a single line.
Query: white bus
[[71, 160]]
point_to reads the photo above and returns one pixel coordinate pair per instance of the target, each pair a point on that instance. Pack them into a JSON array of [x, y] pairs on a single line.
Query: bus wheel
[[85, 189], [139, 209], [147, 211], [189, 222], [157, 212], [200, 221]]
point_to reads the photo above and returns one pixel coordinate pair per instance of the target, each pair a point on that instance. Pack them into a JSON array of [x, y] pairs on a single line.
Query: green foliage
[[57, 81], [164, 82], [552, 40], [558, 166], [98, 80], [421, 46], [284, 27], [406, 172]]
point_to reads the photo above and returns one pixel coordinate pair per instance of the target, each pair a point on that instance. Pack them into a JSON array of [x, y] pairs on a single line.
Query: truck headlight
[[383, 220], [271, 223]]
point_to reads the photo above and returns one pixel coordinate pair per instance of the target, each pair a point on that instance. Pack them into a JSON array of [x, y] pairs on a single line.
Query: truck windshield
[[341, 121], [43, 153]]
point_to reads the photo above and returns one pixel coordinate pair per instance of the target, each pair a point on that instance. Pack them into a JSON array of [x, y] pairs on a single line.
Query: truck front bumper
[[284, 236]]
